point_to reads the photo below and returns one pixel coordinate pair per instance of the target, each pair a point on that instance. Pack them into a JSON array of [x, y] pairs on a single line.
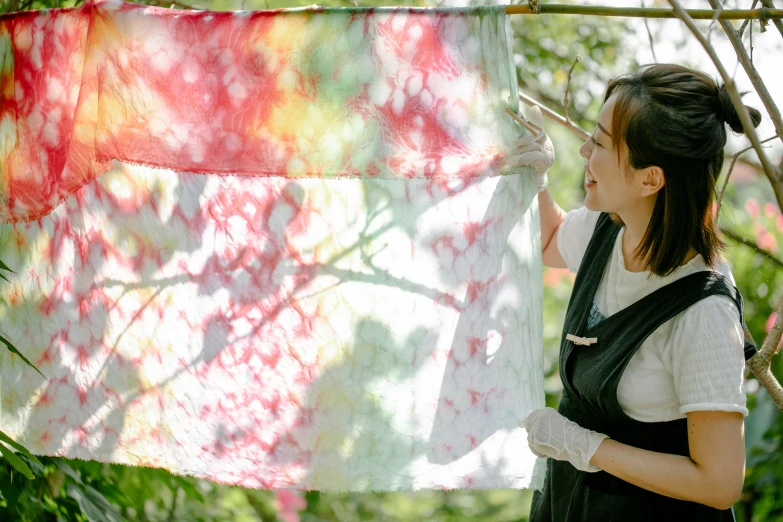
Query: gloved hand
[[549, 434], [534, 149]]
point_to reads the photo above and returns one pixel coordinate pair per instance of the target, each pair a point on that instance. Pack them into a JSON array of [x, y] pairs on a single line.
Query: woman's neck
[[635, 227], [633, 234]]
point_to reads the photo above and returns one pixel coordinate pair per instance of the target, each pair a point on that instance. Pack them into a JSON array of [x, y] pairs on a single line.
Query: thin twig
[[568, 85], [552, 115], [734, 159], [745, 23], [752, 244], [650, 37], [777, 184], [712, 23]]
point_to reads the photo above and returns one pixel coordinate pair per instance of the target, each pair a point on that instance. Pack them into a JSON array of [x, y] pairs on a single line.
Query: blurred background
[[545, 47]]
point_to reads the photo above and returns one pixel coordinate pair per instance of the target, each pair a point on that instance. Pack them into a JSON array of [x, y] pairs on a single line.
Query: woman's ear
[[652, 180]]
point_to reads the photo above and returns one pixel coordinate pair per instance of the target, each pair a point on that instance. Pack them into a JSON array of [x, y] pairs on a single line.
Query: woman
[[650, 424]]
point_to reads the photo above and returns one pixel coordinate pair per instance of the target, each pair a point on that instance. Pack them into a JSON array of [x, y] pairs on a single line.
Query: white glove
[[549, 434], [535, 150]]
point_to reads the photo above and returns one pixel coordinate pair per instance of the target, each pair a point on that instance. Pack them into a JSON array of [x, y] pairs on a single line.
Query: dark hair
[[673, 117]]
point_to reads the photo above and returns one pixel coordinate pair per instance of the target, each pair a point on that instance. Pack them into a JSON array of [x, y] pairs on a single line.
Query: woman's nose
[[584, 150]]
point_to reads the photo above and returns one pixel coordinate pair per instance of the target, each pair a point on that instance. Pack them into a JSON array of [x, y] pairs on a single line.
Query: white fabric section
[[693, 362]]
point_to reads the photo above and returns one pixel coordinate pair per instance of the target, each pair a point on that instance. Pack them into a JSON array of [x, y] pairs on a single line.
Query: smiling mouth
[[589, 177]]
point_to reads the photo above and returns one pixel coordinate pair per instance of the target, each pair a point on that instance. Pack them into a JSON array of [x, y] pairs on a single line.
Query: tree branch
[[746, 22], [761, 362], [753, 75], [744, 115], [752, 244], [552, 115], [650, 36], [568, 84], [731, 169]]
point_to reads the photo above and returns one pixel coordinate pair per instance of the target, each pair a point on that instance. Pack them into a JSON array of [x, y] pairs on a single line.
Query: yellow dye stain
[[114, 111], [7, 138], [106, 33], [84, 130], [282, 36]]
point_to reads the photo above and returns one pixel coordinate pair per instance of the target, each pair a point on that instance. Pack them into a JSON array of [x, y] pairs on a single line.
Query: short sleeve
[[574, 234], [707, 357]]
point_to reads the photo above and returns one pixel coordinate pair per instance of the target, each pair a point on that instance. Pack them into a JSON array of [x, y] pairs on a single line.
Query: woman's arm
[[713, 475], [552, 217]]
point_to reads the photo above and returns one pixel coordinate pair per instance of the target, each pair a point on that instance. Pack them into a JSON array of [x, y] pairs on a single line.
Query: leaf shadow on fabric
[[494, 343], [79, 414], [117, 322]]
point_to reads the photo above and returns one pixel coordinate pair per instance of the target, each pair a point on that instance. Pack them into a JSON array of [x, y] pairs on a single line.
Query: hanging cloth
[[276, 249]]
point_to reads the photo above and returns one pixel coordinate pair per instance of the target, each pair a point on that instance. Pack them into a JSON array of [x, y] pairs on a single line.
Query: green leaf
[[21, 449], [14, 350], [16, 462], [68, 470], [3, 266], [93, 505], [190, 489], [4, 277]]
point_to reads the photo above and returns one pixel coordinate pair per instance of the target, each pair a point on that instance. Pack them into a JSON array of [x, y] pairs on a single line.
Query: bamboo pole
[[646, 12]]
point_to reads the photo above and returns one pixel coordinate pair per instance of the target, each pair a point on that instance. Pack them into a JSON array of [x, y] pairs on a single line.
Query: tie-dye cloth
[[201, 292]]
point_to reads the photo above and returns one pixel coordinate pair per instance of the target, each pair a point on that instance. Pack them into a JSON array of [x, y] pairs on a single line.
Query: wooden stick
[[648, 12], [570, 125], [529, 125]]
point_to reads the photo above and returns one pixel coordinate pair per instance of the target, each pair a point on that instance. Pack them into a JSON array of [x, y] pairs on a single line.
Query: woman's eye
[[594, 140]]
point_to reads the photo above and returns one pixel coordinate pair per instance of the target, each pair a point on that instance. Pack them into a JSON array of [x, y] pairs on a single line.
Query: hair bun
[[730, 114]]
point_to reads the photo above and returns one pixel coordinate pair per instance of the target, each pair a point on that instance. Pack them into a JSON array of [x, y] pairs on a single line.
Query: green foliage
[[15, 461]]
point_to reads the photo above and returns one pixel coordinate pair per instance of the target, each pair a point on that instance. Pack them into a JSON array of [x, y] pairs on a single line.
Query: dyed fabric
[[272, 249]]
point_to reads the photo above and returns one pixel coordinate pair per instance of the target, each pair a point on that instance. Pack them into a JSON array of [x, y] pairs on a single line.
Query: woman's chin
[[590, 203]]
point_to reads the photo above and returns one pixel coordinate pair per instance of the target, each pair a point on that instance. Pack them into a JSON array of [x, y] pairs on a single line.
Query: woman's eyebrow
[[603, 129]]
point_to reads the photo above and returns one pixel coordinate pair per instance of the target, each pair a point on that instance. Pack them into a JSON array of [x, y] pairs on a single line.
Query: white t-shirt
[[693, 362]]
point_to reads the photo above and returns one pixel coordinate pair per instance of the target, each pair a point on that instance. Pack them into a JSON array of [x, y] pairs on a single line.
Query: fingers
[[530, 419], [536, 117], [537, 454], [528, 158], [524, 122], [527, 139]]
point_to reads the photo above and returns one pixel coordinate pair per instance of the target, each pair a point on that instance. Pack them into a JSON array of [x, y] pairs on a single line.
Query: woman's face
[[611, 190]]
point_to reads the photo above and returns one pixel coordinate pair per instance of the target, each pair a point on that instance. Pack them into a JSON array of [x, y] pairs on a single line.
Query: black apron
[[590, 376]]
